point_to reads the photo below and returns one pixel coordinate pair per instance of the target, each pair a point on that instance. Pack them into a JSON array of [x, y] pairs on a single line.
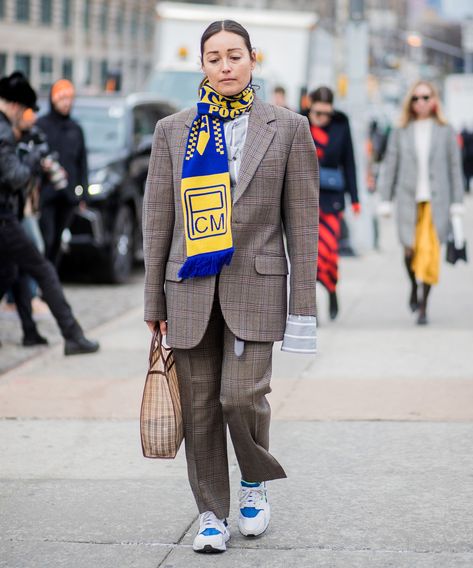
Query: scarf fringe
[[206, 264]]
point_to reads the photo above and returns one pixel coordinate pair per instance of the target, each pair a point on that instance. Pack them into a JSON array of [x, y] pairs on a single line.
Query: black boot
[[333, 305], [413, 301], [80, 345], [32, 339], [422, 318]]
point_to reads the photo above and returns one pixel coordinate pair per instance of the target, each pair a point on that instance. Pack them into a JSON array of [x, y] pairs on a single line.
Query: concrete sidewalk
[[375, 433]]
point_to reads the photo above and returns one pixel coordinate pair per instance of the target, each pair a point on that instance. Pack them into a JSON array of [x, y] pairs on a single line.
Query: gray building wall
[[78, 39]]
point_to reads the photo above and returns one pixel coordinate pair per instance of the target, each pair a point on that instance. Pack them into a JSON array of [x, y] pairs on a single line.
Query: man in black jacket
[[65, 137], [16, 249]]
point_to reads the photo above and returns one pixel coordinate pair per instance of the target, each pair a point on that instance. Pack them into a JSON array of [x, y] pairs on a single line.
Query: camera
[[35, 140]]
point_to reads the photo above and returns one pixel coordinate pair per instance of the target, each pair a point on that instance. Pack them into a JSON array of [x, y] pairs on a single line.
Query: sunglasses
[[425, 98], [321, 113]]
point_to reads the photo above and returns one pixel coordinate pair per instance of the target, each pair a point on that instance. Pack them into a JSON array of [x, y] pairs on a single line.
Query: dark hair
[[321, 95], [228, 26], [279, 89]]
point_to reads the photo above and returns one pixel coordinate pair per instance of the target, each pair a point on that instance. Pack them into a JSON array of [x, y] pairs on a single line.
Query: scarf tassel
[[206, 264]]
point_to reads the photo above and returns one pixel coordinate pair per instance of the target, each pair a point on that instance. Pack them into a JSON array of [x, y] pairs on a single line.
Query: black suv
[[105, 236]]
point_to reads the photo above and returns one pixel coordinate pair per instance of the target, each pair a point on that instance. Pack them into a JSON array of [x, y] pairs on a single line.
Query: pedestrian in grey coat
[[222, 324], [422, 171]]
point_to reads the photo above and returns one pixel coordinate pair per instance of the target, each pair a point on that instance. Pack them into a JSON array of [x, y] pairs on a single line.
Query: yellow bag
[[161, 414]]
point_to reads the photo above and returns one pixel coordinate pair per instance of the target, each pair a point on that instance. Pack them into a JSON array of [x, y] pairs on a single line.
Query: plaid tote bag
[[161, 414]]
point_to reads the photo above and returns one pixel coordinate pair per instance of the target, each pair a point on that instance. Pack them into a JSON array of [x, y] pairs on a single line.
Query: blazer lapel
[[258, 138], [410, 142], [182, 142]]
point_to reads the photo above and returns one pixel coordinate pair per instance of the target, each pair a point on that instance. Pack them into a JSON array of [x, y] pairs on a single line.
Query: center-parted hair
[[228, 26]]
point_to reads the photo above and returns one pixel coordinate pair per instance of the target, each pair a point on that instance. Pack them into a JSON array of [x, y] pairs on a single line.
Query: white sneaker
[[213, 534], [255, 512]]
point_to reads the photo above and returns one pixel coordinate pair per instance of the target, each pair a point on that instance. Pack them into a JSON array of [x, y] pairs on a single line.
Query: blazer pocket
[[271, 265], [172, 269]]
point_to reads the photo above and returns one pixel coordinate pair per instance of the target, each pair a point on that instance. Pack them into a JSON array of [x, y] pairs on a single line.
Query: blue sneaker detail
[[210, 532], [249, 512], [250, 483]]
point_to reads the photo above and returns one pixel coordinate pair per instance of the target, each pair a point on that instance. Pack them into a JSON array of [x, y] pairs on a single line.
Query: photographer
[[16, 249]]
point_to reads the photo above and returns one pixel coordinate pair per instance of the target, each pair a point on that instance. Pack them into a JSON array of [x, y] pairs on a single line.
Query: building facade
[[87, 41]]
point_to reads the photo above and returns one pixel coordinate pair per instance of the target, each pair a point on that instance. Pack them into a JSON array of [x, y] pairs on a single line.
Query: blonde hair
[[407, 113]]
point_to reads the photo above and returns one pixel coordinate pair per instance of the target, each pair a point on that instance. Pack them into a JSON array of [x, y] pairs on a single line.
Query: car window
[[145, 118], [104, 126], [143, 124]]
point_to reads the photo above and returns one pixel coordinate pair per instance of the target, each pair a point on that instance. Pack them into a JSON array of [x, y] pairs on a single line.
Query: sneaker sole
[[253, 535], [209, 549]]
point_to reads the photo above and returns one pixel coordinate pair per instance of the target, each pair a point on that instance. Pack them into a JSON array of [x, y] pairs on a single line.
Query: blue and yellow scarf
[[205, 186]]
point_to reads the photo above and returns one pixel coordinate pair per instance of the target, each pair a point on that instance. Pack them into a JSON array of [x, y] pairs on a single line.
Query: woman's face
[[422, 101], [227, 63], [320, 114]]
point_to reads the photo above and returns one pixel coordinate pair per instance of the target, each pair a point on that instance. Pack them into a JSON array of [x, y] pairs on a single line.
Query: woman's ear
[[253, 59]]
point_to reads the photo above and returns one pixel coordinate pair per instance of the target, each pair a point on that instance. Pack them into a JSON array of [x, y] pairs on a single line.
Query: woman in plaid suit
[[224, 187]]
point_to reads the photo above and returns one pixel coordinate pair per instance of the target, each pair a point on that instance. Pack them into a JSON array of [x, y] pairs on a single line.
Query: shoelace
[[209, 521], [252, 496]]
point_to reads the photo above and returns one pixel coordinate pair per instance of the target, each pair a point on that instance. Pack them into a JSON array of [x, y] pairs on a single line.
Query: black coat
[[65, 137], [339, 154], [15, 173]]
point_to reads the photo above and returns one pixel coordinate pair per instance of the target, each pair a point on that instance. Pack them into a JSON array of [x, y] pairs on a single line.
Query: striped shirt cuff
[[300, 335]]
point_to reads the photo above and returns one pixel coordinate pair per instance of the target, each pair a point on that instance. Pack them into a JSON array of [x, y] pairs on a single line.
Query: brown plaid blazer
[[276, 194]]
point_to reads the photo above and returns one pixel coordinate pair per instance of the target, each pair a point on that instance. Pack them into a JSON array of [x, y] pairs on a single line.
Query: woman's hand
[[356, 208], [162, 325]]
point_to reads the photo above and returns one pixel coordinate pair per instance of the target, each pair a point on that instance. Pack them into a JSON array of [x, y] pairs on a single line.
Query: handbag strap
[[157, 345]]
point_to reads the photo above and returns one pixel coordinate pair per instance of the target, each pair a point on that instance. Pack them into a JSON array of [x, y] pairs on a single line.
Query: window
[[149, 30], [22, 10], [134, 26], [23, 63], [66, 13], [67, 68], [45, 72], [88, 71], [46, 11], [2, 9], [3, 64], [104, 17], [103, 73], [86, 14], [119, 21]]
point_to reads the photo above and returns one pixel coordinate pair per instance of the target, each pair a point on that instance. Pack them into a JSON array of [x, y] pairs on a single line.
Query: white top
[[235, 137], [423, 137]]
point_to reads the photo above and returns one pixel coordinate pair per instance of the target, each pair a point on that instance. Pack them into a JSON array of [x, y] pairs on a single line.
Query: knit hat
[[60, 89], [17, 89]]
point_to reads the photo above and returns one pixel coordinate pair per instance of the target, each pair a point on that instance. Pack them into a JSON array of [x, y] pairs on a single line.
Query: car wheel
[[120, 259]]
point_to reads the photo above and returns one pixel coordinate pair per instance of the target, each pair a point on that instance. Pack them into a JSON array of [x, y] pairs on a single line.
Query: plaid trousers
[[218, 389]]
